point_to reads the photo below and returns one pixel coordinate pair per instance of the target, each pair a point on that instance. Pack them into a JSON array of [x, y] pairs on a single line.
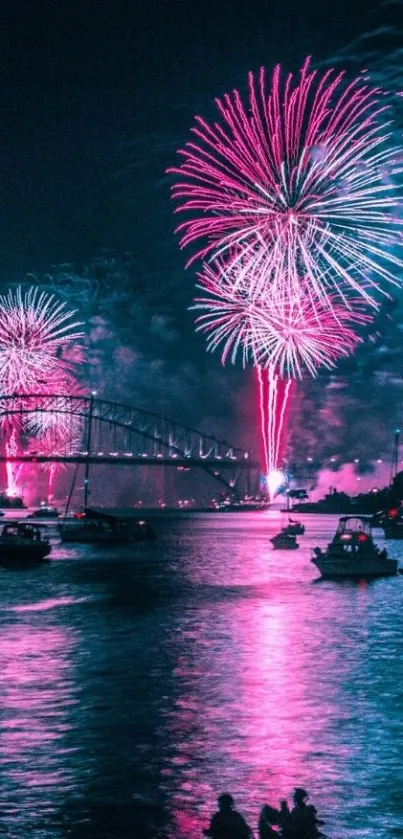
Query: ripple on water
[[137, 685]]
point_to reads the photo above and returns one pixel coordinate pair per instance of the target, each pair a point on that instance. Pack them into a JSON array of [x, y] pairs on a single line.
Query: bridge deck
[[128, 459]]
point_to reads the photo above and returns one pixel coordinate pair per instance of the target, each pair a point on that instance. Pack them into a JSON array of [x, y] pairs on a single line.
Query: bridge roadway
[[129, 459]]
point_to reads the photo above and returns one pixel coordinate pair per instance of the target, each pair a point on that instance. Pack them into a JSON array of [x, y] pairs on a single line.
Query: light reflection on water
[[135, 686], [37, 698]]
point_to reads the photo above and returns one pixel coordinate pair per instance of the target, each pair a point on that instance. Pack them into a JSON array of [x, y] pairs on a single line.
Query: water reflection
[[37, 703], [268, 684], [136, 686]]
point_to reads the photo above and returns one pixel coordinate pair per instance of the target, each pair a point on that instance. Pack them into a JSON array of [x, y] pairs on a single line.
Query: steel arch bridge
[[104, 432]]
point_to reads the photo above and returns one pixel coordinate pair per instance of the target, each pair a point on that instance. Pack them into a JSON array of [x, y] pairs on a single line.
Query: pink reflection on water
[[50, 603], [36, 701], [256, 710]]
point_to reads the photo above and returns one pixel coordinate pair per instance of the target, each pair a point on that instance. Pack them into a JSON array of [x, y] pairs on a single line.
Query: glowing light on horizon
[[275, 480], [300, 180]]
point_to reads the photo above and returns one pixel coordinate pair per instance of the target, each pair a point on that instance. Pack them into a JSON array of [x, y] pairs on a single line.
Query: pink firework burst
[[290, 333], [55, 416], [34, 330], [300, 180]]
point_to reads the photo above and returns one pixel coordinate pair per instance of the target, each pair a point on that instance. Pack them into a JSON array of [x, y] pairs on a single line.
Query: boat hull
[[358, 569], [11, 555], [81, 534], [285, 547], [91, 537]]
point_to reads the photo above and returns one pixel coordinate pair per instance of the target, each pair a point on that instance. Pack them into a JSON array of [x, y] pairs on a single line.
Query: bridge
[[85, 429]]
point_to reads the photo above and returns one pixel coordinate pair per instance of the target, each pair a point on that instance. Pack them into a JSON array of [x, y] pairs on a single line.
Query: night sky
[[96, 96], [95, 99]]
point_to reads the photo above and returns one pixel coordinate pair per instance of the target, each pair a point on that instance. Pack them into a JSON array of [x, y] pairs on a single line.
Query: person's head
[[284, 804], [300, 796], [225, 801]]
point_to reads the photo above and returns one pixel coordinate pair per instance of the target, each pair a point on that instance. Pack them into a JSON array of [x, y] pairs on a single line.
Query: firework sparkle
[[300, 181], [291, 333], [34, 330]]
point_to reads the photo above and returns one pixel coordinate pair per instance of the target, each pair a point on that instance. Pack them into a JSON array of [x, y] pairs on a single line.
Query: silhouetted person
[[268, 817], [227, 823], [285, 820], [304, 822]]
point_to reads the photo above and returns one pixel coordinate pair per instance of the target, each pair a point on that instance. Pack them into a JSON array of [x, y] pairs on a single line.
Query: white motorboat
[[353, 554]]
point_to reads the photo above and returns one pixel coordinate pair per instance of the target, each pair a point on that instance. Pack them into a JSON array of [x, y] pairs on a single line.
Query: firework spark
[[13, 470], [274, 401], [290, 333], [34, 330], [300, 181]]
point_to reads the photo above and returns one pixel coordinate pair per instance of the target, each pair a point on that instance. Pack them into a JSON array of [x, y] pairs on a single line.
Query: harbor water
[[136, 684]]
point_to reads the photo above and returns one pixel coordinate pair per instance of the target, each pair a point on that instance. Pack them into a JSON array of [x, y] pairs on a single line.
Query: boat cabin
[[21, 532], [353, 529], [353, 535]]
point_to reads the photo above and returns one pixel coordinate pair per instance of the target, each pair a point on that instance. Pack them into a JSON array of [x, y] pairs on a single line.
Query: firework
[[274, 401], [291, 333], [34, 330], [54, 416], [298, 182], [13, 470]]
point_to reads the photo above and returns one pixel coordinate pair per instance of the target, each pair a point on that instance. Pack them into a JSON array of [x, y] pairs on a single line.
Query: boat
[[391, 523], [22, 543], [92, 526], [11, 502], [284, 541], [244, 504], [353, 554], [45, 512], [294, 528]]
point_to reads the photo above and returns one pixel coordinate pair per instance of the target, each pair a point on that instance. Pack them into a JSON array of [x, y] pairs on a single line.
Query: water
[[135, 685]]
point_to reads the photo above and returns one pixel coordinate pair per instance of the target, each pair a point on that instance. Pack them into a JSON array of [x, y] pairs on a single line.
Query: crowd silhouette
[[299, 822]]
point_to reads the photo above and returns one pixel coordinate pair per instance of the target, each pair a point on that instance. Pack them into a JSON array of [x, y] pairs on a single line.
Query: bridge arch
[[115, 433]]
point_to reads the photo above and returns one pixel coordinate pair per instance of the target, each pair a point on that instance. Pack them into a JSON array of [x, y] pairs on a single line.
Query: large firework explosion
[[295, 199], [35, 331], [298, 182]]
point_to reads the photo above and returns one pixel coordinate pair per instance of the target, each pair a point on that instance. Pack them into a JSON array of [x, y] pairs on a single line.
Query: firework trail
[[35, 330], [294, 183], [274, 401], [60, 440], [13, 470]]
